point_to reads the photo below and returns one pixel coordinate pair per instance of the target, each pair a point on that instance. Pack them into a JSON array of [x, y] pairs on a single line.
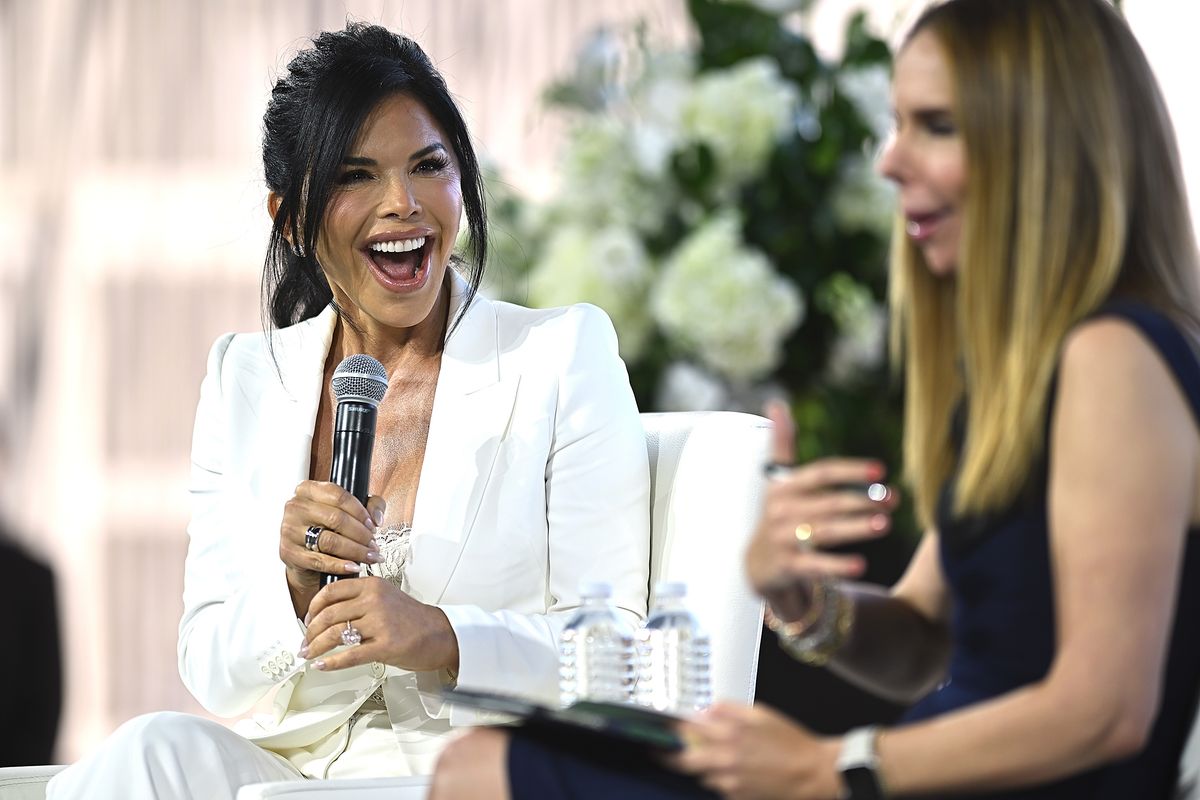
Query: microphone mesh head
[[360, 377]]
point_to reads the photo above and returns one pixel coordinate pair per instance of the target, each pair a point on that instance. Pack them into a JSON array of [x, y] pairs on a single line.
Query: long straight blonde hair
[[1074, 196]]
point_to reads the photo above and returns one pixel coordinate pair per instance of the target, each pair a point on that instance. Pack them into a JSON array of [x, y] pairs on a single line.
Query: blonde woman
[[1045, 304]]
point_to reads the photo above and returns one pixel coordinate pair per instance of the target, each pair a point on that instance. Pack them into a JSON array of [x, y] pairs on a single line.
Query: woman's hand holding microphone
[[325, 530]]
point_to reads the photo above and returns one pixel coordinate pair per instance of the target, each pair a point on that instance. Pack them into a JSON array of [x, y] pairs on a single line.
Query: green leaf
[[862, 47]]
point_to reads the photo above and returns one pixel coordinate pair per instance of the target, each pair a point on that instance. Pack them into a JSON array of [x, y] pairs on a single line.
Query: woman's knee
[[473, 765], [170, 728], [154, 750]]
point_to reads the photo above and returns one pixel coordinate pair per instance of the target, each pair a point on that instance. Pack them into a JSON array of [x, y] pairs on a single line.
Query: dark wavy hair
[[316, 111]]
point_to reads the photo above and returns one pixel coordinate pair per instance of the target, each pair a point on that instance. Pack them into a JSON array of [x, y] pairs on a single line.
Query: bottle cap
[[670, 589], [599, 589]]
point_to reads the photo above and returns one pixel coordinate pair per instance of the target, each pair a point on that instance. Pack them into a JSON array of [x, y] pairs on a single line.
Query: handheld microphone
[[359, 383]]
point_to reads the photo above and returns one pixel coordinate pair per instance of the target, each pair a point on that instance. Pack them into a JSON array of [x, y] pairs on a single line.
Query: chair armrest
[[405, 788], [26, 783]]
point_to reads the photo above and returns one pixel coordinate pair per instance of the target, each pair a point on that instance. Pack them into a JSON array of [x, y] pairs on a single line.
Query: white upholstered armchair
[[706, 493]]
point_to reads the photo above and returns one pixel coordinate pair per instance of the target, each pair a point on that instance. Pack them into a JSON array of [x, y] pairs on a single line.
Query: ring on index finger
[[312, 538], [804, 535], [777, 470]]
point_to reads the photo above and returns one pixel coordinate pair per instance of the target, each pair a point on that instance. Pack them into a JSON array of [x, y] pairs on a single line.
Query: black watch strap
[[858, 762]]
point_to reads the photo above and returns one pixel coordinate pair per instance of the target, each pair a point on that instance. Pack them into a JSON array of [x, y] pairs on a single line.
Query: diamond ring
[[351, 636]]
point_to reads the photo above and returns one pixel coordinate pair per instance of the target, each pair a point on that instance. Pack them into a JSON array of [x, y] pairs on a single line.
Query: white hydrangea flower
[[740, 113], [591, 145], [597, 68], [607, 267], [863, 200], [870, 90], [686, 387], [723, 302], [862, 327], [859, 347], [600, 179], [656, 105]]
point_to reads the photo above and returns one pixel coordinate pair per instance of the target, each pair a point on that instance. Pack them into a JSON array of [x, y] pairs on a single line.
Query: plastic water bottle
[[597, 653], [675, 674]]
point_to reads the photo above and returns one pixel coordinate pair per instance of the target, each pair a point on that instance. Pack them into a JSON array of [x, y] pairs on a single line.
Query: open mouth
[[401, 263], [920, 226]]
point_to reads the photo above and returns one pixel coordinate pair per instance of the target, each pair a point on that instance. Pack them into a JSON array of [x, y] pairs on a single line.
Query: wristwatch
[[858, 763]]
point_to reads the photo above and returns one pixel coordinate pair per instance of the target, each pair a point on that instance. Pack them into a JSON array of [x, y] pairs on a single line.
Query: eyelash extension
[[431, 164], [352, 175], [434, 164]]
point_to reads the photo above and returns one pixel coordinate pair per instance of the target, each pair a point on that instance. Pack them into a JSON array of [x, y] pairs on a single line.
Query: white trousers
[[173, 756], [170, 755]]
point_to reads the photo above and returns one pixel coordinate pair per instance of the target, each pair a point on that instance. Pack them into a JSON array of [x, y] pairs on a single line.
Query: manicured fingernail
[[879, 522], [378, 517], [355, 568], [307, 619], [304, 651], [319, 664], [876, 471], [373, 556]]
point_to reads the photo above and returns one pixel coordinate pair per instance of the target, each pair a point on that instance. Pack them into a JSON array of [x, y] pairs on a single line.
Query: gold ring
[[804, 535]]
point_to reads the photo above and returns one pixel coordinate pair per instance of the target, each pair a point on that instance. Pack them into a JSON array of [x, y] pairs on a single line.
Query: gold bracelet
[[797, 628], [831, 630]]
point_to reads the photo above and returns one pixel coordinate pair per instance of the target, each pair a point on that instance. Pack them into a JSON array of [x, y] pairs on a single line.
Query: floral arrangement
[[720, 205]]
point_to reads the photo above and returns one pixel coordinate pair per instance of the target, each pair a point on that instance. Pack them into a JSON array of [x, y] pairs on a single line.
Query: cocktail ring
[[351, 636], [312, 537], [804, 535]]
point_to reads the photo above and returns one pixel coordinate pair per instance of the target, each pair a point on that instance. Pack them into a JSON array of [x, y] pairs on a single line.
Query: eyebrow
[[363, 161]]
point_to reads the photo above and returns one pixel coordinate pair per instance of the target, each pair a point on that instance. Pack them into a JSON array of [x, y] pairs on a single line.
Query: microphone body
[[353, 443], [359, 383]]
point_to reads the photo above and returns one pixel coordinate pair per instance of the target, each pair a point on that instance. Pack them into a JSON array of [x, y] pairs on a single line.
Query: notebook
[[618, 721]]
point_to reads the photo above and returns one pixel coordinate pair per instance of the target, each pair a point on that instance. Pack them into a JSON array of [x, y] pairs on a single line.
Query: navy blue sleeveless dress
[[1002, 624], [1003, 632]]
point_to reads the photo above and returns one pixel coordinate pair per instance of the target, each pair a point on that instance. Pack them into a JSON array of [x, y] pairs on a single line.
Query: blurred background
[[699, 168]]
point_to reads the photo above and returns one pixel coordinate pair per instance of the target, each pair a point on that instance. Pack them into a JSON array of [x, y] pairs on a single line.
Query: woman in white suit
[[509, 461]]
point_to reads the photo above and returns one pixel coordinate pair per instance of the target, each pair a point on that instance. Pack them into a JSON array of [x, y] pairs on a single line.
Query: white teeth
[[399, 245]]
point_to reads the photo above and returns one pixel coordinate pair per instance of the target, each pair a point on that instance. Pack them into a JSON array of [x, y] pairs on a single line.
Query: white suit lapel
[[471, 412], [295, 395]]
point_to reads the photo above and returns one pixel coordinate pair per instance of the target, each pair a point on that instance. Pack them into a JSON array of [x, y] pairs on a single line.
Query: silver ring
[[351, 636], [312, 537], [777, 471]]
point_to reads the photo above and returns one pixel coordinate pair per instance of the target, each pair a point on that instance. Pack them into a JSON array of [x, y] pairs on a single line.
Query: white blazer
[[535, 478]]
